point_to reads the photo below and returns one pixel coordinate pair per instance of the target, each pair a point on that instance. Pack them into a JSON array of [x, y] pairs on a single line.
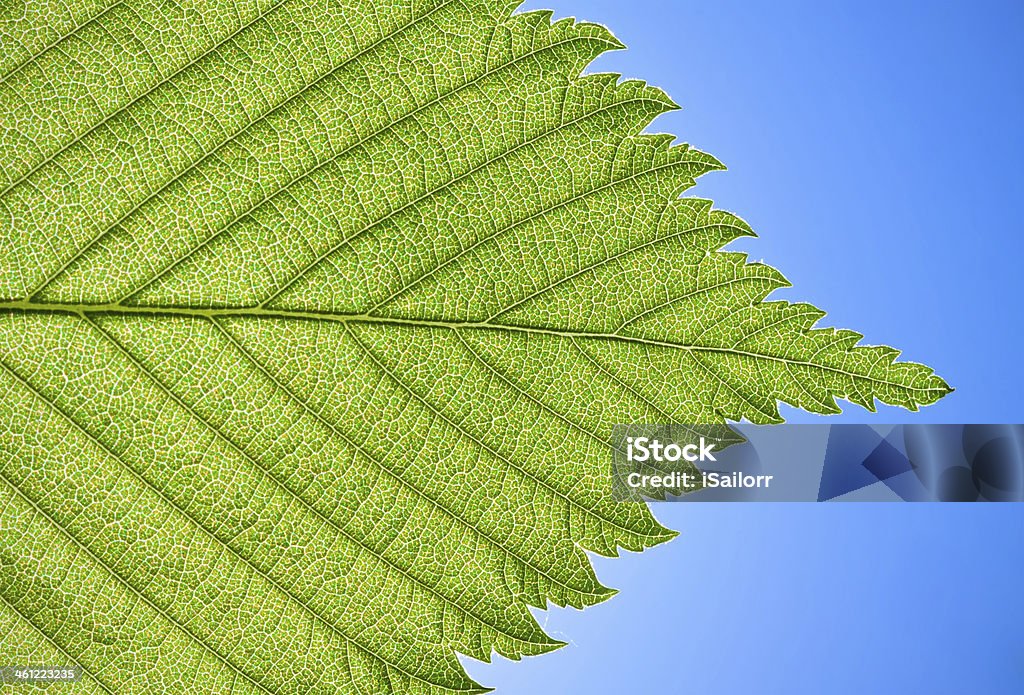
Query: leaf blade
[[327, 321]]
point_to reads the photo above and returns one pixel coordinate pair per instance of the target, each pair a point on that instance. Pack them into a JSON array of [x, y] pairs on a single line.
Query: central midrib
[[297, 314]]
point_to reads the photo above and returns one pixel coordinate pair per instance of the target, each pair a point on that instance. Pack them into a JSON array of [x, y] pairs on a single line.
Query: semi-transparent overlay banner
[[818, 463]]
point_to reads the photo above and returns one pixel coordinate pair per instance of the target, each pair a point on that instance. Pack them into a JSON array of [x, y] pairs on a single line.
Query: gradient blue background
[[876, 148]]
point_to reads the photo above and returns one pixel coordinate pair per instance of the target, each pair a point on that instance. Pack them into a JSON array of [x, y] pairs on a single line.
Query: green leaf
[[315, 318]]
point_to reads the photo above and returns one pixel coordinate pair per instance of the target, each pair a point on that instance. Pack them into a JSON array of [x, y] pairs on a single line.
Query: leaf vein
[[305, 406], [60, 39], [224, 143], [74, 661]]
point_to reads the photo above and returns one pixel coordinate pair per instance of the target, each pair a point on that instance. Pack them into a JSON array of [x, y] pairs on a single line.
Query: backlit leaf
[[315, 318]]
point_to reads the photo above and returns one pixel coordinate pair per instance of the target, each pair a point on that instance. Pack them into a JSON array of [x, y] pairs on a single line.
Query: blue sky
[[876, 148]]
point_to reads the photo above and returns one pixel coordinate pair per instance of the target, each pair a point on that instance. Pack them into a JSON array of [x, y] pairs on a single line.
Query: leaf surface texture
[[315, 318]]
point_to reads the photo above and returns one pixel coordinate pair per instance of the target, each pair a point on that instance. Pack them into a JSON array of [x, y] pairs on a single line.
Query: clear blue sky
[[877, 149]]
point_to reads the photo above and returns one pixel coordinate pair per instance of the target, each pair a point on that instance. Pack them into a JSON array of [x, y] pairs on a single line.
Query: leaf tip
[[553, 645], [665, 536], [614, 42], [939, 387]]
